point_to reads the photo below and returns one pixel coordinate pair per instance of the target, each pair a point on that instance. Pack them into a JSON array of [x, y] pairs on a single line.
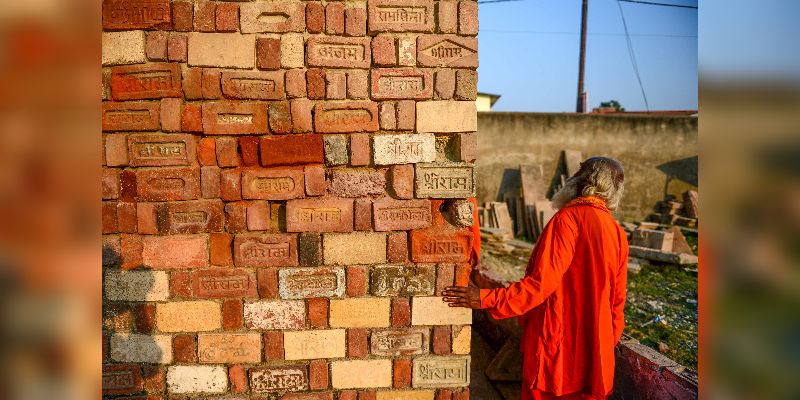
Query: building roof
[[492, 97]]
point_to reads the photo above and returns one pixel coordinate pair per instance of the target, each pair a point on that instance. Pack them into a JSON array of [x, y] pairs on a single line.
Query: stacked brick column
[[280, 198]]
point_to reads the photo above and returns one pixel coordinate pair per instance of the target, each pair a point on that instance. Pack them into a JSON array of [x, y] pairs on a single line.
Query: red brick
[[155, 378], [110, 182], [144, 317], [367, 395], [348, 395], [165, 252], [121, 379], [182, 15], [170, 112], [227, 152], [236, 217], [358, 55], [105, 348], [397, 247], [181, 217], [318, 312], [462, 275], [441, 340], [461, 395], [316, 83], [302, 118], [210, 178], [401, 83], [384, 51], [207, 151], [358, 84], [272, 183], [156, 45], [238, 377], [346, 117], [265, 250], [402, 181], [355, 22], [115, 15], [335, 85], [184, 348], [127, 185], [292, 150], [280, 117], [211, 87], [402, 374], [401, 312], [445, 275], [259, 85], [126, 217], [178, 47], [468, 146], [359, 149], [145, 81], [315, 17], [438, 245], [192, 118], [205, 16], [363, 215], [157, 150], [317, 215], [227, 17], [356, 281], [268, 53], [231, 184], [258, 216], [445, 84], [466, 84], [315, 180], [273, 345], [233, 312], [399, 215], [267, 283], [406, 115], [192, 83], [220, 248], [109, 217], [429, 51], [234, 118], [208, 283], [130, 116], [447, 14], [318, 374], [295, 83], [468, 17], [378, 24], [444, 394], [334, 18], [388, 115], [180, 284], [167, 184], [357, 344], [248, 148]]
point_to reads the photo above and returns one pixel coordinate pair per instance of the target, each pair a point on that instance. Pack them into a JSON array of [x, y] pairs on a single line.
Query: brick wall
[[280, 198]]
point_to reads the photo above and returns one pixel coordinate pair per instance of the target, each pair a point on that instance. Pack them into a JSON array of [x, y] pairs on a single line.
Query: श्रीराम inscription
[[278, 379], [404, 148], [273, 250], [301, 283], [444, 181], [399, 342], [434, 371], [136, 14]]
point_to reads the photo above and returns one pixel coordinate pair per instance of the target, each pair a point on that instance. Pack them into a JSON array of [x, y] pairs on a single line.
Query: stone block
[[335, 149], [437, 372], [357, 183], [302, 283], [121, 285], [287, 378], [231, 348], [316, 344], [174, 251], [447, 51], [268, 314], [188, 316], [135, 348], [363, 312], [445, 180], [127, 47], [434, 311], [354, 248], [319, 215], [404, 148], [462, 116], [197, 379], [273, 16], [400, 342], [400, 280], [224, 50]]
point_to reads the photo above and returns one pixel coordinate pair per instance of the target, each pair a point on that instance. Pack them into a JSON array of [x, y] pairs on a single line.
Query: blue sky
[[539, 71]]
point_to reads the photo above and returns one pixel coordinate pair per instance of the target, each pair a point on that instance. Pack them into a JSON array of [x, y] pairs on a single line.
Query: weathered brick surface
[[271, 182]]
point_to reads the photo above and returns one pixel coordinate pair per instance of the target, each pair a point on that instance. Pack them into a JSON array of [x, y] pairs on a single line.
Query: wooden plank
[[503, 217], [572, 161]]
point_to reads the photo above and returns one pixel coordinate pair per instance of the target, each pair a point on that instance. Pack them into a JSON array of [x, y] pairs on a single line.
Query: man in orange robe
[[572, 297]]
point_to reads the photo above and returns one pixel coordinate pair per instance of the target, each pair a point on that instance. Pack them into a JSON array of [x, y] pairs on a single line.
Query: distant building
[[485, 101], [614, 111]]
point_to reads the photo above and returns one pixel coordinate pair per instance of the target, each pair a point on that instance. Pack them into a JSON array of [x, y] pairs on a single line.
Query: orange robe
[[570, 303]]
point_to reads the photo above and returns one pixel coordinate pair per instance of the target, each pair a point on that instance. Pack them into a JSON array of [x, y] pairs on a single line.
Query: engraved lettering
[[273, 380], [319, 215], [137, 13], [160, 150], [232, 118], [278, 185], [127, 116], [391, 14], [253, 85], [272, 17], [401, 84], [118, 380], [341, 52]]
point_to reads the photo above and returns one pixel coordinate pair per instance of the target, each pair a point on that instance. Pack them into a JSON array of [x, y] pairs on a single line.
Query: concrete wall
[[646, 145]]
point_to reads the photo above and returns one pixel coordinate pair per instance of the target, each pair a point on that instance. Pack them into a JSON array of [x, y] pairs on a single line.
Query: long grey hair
[[603, 177]]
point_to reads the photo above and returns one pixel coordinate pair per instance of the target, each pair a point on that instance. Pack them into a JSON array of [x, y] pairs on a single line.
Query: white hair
[[598, 176]]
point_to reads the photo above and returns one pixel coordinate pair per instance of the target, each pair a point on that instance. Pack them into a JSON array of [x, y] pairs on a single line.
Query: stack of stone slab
[[670, 211], [274, 180], [668, 246]]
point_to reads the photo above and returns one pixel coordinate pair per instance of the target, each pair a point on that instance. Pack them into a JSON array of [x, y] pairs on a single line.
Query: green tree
[[613, 104]]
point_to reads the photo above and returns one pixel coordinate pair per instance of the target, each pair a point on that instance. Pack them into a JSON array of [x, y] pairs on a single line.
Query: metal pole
[[581, 106]]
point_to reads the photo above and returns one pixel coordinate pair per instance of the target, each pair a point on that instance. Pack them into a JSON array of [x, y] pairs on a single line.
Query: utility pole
[[581, 106]]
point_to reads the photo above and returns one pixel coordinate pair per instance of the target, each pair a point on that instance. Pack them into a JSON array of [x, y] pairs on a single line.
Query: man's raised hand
[[456, 296]]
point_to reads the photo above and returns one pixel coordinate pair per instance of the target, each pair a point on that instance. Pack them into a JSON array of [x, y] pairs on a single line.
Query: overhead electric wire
[[632, 55], [590, 33], [659, 4]]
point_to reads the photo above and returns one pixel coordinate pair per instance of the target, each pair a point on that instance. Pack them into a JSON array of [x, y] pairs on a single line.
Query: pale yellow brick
[[354, 248], [136, 285], [462, 335], [405, 395], [126, 47], [306, 345], [222, 50], [351, 374], [292, 50], [229, 347], [433, 311], [188, 316], [462, 116], [197, 379], [363, 312], [154, 349]]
